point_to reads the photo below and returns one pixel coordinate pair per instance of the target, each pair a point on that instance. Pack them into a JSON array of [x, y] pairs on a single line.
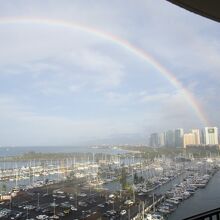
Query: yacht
[[154, 217], [173, 201]]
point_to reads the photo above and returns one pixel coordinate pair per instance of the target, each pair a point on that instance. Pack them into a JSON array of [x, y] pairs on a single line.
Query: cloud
[[102, 69], [166, 111], [60, 85], [187, 44], [20, 125], [58, 79], [145, 97], [76, 88], [116, 98]]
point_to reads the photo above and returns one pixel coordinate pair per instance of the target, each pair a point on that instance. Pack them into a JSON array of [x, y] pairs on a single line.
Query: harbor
[[205, 199], [107, 187], [109, 110]]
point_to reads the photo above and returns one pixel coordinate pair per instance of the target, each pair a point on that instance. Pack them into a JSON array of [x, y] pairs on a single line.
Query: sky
[[65, 86]]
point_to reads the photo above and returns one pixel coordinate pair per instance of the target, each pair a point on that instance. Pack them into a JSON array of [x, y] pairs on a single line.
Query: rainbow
[[123, 43]]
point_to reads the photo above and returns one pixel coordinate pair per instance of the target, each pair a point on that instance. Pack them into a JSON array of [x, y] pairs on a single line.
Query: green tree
[[135, 178], [4, 187], [141, 179], [71, 175], [123, 178]]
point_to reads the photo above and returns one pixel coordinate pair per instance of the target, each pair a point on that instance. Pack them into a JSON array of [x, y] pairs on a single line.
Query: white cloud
[[116, 98], [102, 69], [20, 125], [63, 63], [145, 97], [74, 88]]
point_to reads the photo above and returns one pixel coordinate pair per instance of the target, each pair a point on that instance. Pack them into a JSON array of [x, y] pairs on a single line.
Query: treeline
[[151, 153]]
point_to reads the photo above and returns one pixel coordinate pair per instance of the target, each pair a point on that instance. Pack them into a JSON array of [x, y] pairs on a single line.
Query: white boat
[[164, 210], [186, 194], [173, 200], [154, 217]]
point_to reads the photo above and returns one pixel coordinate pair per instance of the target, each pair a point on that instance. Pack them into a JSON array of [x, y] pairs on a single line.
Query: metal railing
[[209, 215]]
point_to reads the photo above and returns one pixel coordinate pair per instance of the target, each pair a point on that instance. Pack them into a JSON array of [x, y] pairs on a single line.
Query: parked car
[[123, 212]]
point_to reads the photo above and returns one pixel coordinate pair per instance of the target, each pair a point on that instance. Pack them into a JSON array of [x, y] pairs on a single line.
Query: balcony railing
[[209, 215]]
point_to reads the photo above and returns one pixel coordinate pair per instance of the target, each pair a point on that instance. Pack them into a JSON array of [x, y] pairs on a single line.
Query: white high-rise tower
[[197, 136], [211, 135]]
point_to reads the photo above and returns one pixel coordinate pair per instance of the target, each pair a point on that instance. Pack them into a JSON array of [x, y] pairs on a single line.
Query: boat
[[164, 209], [154, 217], [173, 201]]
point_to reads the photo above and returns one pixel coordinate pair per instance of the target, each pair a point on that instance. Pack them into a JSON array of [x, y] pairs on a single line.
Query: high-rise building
[[170, 139], [162, 139], [196, 136], [211, 135], [188, 139], [179, 137], [202, 136], [154, 140]]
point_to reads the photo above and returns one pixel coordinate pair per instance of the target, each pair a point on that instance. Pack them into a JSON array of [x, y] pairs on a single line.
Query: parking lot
[[68, 201]]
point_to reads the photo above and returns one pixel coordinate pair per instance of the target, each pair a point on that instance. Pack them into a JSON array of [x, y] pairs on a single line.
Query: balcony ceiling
[[206, 8]]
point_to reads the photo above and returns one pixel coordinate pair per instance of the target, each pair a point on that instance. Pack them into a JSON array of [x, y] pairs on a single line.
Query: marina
[[151, 189], [205, 199], [109, 110]]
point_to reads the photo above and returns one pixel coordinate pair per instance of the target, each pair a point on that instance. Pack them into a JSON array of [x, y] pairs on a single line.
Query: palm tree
[[123, 178], [4, 187]]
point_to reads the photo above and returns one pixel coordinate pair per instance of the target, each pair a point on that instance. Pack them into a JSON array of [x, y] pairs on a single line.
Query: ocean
[[15, 151]]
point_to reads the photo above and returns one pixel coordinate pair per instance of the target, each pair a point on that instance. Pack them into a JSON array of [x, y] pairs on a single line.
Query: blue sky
[[67, 87]]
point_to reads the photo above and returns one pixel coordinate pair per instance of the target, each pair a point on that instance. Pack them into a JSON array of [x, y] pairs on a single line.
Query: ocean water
[[14, 151]]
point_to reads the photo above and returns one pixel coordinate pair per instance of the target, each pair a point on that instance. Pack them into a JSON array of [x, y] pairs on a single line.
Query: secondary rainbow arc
[[124, 44]]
